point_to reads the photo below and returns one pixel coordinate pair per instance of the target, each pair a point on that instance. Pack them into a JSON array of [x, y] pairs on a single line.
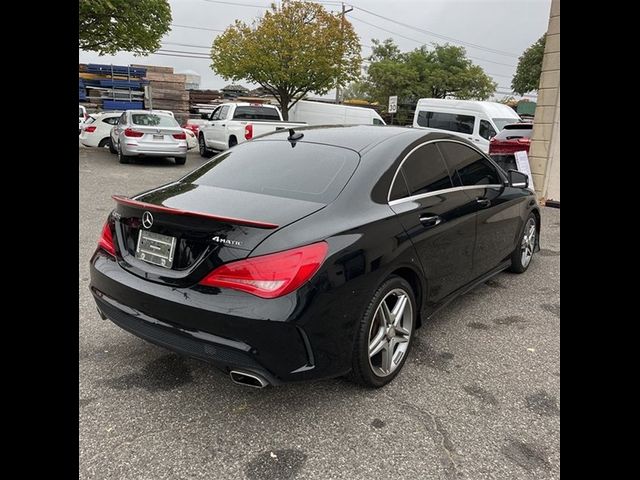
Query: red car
[[513, 138]]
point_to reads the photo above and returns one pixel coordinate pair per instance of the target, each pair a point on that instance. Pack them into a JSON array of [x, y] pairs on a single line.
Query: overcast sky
[[484, 27]]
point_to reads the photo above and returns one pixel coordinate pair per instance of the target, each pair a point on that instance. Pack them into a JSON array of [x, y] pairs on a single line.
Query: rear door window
[[425, 171], [110, 120], [311, 172], [223, 113], [452, 122], [256, 113], [469, 165]]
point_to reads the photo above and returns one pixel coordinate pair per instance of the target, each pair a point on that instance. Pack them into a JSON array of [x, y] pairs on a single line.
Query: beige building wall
[[544, 155]]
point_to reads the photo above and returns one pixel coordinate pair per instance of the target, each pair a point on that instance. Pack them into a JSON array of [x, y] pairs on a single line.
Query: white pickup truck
[[234, 123]]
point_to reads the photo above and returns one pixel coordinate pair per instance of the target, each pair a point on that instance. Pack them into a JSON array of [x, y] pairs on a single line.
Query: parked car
[[82, 117], [318, 113], [192, 140], [468, 119], [233, 123], [95, 131], [145, 133], [314, 253], [194, 124], [513, 138]]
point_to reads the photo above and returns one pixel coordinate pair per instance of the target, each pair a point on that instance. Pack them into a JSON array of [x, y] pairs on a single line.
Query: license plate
[[158, 137], [156, 248]]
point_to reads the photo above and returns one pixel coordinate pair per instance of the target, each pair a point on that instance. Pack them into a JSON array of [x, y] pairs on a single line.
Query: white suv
[[95, 131]]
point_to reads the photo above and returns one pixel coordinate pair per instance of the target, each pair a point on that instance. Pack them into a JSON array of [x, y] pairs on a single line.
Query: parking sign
[[393, 104]]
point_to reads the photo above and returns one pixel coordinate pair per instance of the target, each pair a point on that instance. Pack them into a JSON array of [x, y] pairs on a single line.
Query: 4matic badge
[[225, 241]]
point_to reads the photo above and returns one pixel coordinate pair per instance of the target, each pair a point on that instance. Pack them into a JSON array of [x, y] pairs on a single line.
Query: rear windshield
[[153, 120], [501, 122], [518, 130], [300, 171], [256, 113]]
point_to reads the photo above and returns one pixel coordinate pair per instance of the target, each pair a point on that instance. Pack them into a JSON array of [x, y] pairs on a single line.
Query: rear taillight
[[90, 129], [524, 140], [130, 132], [180, 136], [248, 132], [106, 240], [270, 276]]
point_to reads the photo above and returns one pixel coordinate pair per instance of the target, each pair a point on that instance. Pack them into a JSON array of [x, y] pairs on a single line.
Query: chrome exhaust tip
[[248, 379]]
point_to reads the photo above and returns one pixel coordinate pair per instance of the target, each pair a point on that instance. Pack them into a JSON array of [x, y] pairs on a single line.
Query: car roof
[[354, 137], [157, 112]]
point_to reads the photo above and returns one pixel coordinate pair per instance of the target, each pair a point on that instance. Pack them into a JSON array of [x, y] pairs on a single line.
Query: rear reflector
[[130, 132], [90, 129], [248, 132], [180, 136], [270, 276], [106, 240], [176, 211]]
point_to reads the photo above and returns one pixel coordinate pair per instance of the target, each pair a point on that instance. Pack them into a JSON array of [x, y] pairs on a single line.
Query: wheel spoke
[[378, 343], [402, 339], [403, 331], [386, 313], [398, 309], [387, 357]]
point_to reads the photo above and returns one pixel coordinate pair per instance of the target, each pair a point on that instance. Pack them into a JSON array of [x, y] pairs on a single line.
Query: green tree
[[356, 91], [527, 77], [293, 49], [110, 26]]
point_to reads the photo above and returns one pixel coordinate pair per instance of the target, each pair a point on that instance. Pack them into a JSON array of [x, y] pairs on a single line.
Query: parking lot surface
[[478, 397]]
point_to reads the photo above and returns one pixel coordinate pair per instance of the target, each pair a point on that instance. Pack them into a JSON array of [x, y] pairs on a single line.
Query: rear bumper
[[283, 340], [132, 148]]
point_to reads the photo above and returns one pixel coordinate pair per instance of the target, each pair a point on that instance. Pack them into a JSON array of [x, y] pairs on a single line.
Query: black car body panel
[[308, 333]]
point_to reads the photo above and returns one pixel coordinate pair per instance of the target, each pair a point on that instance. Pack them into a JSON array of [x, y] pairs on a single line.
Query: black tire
[[233, 141], [112, 149], [105, 142], [122, 158], [202, 147], [362, 370], [180, 160], [519, 263]]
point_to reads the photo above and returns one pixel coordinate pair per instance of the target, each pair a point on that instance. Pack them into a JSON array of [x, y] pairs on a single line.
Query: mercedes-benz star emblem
[[147, 219]]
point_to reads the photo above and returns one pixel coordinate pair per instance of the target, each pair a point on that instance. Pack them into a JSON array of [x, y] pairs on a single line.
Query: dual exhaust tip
[[248, 379]]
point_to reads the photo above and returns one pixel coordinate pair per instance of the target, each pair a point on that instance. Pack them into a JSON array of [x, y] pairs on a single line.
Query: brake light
[[90, 129], [524, 140], [270, 276], [180, 136], [106, 240], [130, 132], [248, 132]]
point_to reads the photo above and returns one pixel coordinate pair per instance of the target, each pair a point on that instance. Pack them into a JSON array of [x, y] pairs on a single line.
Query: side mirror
[[518, 179]]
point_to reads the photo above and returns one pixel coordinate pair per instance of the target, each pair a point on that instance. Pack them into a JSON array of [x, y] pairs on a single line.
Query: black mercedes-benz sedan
[[312, 253]]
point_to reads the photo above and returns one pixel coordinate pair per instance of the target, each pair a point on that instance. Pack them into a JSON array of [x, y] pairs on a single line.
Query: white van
[[318, 113], [470, 119]]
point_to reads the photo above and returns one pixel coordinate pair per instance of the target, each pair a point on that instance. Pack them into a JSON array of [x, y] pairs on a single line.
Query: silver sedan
[[150, 134]]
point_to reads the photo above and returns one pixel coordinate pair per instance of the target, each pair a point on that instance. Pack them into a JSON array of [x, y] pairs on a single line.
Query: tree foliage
[[111, 26], [527, 77], [439, 72], [293, 49]]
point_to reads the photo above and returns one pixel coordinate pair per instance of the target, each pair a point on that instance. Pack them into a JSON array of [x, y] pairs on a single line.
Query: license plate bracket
[[155, 248], [158, 137]]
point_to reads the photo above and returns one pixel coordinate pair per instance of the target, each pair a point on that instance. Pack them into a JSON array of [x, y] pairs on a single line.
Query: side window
[[123, 119], [215, 114], [486, 130], [399, 188], [377, 121], [452, 122], [111, 120], [472, 168], [223, 112], [425, 171]]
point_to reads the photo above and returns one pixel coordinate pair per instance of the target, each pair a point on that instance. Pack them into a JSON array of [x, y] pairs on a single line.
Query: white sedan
[[95, 130]]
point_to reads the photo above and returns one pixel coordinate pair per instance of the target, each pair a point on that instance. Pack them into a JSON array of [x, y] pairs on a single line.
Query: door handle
[[223, 125], [483, 202], [430, 220]]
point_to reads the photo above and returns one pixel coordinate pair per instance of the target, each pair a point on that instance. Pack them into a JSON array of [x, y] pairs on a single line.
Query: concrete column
[[544, 155]]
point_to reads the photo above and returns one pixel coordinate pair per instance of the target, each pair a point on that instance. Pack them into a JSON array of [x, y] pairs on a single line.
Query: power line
[[444, 37], [197, 28], [186, 45]]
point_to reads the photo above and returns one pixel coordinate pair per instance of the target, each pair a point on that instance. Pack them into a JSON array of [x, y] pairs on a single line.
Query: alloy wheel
[[390, 332], [528, 242]]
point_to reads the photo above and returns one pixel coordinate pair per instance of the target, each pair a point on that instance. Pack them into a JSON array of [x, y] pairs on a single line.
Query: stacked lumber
[[166, 91], [110, 87]]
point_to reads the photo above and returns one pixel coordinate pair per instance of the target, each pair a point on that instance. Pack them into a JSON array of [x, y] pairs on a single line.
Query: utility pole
[[342, 33]]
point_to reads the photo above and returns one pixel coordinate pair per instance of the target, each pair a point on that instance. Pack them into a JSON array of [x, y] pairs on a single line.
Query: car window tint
[[470, 165], [110, 120], [486, 130], [452, 122], [256, 113], [301, 171], [425, 170], [399, 188], [153, 120]]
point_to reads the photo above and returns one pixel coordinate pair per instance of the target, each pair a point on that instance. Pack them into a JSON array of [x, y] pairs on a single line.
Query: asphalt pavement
[[478, 398]]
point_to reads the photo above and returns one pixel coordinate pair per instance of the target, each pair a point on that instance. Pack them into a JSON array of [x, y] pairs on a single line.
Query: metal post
[[342, 34]]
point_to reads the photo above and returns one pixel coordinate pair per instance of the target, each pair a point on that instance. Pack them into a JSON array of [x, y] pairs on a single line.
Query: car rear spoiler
[[122, 200]]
